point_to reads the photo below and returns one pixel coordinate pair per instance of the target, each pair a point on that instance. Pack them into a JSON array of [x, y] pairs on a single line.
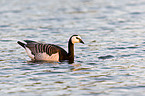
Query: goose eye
[[77, 38]]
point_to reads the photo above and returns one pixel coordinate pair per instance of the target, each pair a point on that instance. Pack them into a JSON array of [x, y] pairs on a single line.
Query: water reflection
[[65, 64]]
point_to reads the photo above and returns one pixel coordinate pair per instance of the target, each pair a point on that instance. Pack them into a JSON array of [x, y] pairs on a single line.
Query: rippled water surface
[[110, 63]]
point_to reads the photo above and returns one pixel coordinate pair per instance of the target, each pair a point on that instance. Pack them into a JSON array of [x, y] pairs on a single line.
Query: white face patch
[[75, 39]]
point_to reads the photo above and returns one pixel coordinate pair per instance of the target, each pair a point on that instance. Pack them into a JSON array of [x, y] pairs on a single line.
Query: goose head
[[76, 39]]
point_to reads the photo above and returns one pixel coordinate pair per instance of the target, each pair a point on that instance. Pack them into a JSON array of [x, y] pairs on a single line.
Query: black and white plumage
[[50, 52]]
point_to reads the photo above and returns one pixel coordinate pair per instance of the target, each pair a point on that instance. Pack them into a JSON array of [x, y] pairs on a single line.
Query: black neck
[[71, 51]]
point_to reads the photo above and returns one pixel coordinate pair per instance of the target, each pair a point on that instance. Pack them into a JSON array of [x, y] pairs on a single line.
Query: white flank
[[46, 57], [29, 53]]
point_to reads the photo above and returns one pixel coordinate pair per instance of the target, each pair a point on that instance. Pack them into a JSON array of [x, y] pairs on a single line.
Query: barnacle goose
[[50, 52]]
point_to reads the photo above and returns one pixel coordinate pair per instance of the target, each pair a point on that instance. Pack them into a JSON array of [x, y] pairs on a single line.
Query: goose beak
[[81, 41]]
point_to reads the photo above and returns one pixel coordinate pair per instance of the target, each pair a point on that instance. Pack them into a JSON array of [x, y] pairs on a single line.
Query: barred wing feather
[[46, 51], [42, 48]]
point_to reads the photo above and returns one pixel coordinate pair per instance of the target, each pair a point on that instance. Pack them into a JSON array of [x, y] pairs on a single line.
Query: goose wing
[[36, 47], [50, 49]]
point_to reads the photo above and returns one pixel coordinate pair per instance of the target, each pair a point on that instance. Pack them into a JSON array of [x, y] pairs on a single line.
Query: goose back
[[47, 52]]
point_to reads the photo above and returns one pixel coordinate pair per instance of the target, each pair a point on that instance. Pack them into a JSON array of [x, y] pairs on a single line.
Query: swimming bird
[[50, 52]]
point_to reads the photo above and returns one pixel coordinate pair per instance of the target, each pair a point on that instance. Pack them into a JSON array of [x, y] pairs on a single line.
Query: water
[[110, 63]]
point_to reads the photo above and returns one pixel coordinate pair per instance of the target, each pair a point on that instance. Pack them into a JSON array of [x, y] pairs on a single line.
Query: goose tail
[[22, 44]]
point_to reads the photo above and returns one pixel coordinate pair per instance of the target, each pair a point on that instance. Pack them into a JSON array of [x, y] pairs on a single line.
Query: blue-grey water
[[110, 63]]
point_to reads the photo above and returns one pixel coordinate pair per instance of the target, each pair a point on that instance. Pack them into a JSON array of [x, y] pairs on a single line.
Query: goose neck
[[70, 50]]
